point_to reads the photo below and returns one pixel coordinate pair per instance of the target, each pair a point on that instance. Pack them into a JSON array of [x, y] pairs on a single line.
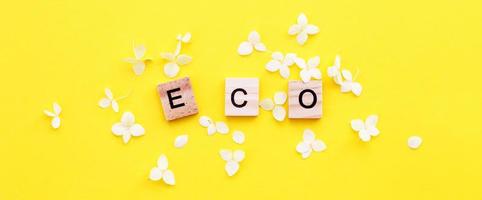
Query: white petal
[[55, 122], [346, 86], [347, 75], [167, 56], [312, 29], [318, 146], [302, 20], [57, 109], [279, 113], [171, 69], [137, 130], [371, 121], [273, 65], [139, 51], [279, 98], [162, 162], [315, 73], [305, 75], [289, 59], [332, 71], [254, 37], [364, 136], [168, 177], [357, 124], [260, 47], [277, 56], [338, 80], [414, 142], [226, 154], [178, 49], [245, 48], [205, 121], [302, 147], [128, 118], [104, 103], [131, 60], [186, 38], [373, 131], [238, 137], [126, 138], [294, 29], [139, 68], [300, 62], [238, 155], [211, 129], [284, 72], [308, 135], [48, 113], [183, 59], [231, 168], [180, 141], [301, 38], [356, 88], [307, 154], [108, 93], [222, 128], [155, 174], [115, 106], [118, 129], [267, 104], [313, 62]]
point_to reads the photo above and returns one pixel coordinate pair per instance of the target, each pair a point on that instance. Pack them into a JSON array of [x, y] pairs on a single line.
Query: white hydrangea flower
[[414, 142], [281, 63], [279, 112], [309, 69], [232, 158], [309, 144], [55, 123], [348, 85], [174, 60], [162, 172], [302, 29], [139, 61], [366, 129], [127, 127], [109, 100], [181, 141], [212, 126], [238, 137], [335, 70], [254, 42]]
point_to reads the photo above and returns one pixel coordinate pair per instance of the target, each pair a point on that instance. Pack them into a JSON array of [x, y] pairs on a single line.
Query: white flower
[[109, 101], [181, 141], [55, 123], [414, 142], [281, 63], [302, 29], [232, 158], [238, 137], [309, 144], [254, 41], [161, 172], [366, 129], [174, 60], [138, 62], [213, 127], [309, 69], [127, 127], [335, 70], [348, 85], [279, 112]]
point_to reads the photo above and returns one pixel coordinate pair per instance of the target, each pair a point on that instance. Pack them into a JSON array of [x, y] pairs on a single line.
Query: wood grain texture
[[186, 97], [295, 110], [251, 86]]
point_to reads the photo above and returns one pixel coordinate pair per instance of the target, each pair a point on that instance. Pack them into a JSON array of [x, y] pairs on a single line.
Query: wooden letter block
[[241, 97], [304, 99], [177, 99]]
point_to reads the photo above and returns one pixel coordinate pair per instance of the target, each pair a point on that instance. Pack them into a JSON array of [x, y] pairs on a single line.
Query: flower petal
[[267, 104], [254, 37], [364, 136], [300, 62], [226, 155], [137, 130], [118, 129], [168, 177], [55, 122], [346, 75], [273, 65], [371, 121], [171, 69], [211, 129], [302, 147], [128, 118], [139, 68], [315, 73], [180, 141], [356, 88], [294, 29], [104, 103], [312, 29], [48, 113], [238, 155], [357, 124], [155, 174], [245, 48], [222, 128], [126, 138], [346, 86], [313, 62], [301, 38], [308, 135], [414, 142], [307, 154], [231, 168], [318, 146], [279, 98], [183, 59], [302, 20], [115, 106], [284, 72], [260, 46], [238, 137], [57, 109], [162, 162], [205, 121], [305, 75], [139, 51], [279, 113], [108, 93]]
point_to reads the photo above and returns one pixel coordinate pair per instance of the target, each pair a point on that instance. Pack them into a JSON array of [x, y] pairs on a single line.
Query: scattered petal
[[279, 113], [180, 141], [238, 137], [267, 104], [414, 142]]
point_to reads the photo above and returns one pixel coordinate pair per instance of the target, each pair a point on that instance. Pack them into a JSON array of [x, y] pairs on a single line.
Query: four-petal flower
[[162, 172], [309, 144], [127, 127], [309, 69], [302, 29], [279, 112], [139, 61], [232, 158], [281, 63], [254, 42], [366, 129]]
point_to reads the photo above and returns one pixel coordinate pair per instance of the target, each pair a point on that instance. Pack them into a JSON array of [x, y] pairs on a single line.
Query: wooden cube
[[177, 99], [304, 99], [241, 97]]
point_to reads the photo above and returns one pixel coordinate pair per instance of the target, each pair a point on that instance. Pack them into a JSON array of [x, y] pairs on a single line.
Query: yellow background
[[419, 64]]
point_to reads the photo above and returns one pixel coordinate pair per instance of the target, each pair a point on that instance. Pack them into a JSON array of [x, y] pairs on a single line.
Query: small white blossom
[[181, 141], [279, 112], [414, 142], [366, 129], [212, 126], [302, 29], [139, 61], [109, 100], [309, 144], [232, 158], [55, 123], [162, 172], [309, 69], [127, 127], [254, 42], [281, 63]]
